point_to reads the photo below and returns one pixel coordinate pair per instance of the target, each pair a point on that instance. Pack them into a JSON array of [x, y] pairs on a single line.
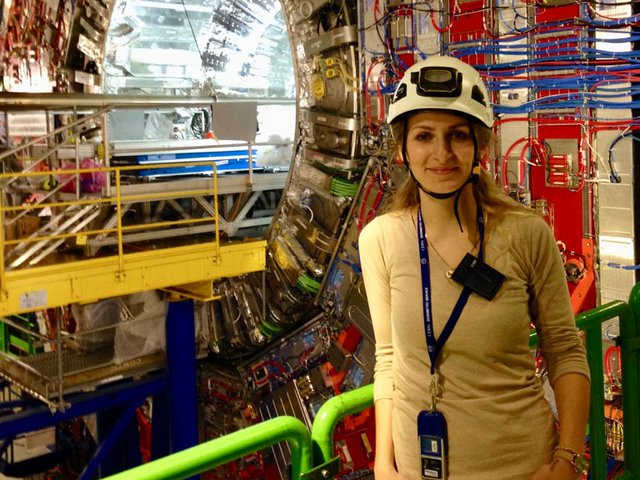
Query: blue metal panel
[[161, 431], [181, 363], [173, 391], [221, 167]]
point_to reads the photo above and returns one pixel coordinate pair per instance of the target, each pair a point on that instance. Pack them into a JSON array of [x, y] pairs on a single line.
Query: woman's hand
[[387, 473], [558, 469]]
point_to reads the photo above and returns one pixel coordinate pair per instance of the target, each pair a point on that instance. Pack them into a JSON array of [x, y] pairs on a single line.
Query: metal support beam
[[181, 362], [38, 417], [88, 280], [125, 430]]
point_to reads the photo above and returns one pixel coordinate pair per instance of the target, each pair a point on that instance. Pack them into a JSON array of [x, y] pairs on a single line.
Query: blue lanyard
[[434, 347]]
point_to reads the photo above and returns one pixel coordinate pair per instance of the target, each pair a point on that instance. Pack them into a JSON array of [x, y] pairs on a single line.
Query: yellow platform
[[186, 269]]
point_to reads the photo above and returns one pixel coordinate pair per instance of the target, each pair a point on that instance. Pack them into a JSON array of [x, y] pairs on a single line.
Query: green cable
[[336, 170], [307, 283], [343, 188], [268, 329]]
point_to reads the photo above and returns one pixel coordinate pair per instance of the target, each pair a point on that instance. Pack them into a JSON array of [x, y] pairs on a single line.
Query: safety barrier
[[219, 451], [591, 323], [630, 352], [313, 457], [325, 423]]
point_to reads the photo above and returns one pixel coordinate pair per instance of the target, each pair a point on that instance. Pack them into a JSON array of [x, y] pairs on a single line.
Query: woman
[[475, 388]]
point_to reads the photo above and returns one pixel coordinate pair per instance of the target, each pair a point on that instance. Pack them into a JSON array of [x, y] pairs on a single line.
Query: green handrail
[[331, 412], [591, 323], [630, 353], [219, 451]]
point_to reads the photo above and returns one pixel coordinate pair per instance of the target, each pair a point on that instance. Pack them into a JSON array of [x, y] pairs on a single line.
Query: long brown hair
[[488, 195]]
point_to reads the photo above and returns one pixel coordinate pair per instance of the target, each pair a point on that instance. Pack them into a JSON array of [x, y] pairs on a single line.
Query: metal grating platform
[[39, 375]]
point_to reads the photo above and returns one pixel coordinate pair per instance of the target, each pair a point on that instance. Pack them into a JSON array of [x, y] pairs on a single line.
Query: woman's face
[[439, 149]]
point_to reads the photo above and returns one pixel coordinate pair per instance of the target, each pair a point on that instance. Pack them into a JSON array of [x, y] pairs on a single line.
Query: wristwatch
[[579, 461]]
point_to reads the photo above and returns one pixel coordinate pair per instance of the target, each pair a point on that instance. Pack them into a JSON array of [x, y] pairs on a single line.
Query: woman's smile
[[442, 171]]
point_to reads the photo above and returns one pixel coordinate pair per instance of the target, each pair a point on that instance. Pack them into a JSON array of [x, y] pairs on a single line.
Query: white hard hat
[[443, 83]]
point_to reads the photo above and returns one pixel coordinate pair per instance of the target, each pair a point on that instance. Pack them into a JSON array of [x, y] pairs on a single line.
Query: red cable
[[376, 9], [505, 160], [438, 27], [363, 219], [607, 362]]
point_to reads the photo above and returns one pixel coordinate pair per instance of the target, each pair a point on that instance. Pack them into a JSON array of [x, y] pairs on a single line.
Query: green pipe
[[219, 451], [630, 352], [591, 322], [330, 414]]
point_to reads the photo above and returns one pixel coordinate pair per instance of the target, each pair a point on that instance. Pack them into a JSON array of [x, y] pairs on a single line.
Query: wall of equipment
[[563, 79], [53, 43]]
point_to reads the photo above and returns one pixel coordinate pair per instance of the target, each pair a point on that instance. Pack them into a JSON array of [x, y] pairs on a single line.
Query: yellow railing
[[66, 129], [9, 214]]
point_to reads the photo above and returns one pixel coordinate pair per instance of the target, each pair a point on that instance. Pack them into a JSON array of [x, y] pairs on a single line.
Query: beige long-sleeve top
[[500, 426]]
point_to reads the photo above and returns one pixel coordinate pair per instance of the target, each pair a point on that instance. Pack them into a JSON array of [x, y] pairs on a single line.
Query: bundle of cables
[[343, 188]]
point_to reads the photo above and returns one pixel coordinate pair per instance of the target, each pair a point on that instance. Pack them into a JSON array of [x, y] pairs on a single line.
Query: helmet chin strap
[[473, 178]]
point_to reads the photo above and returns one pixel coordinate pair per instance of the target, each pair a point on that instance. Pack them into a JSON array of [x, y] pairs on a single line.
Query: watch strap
[[578, 460]]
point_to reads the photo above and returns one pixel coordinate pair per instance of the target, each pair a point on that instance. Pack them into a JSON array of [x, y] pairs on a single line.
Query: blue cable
[[562, 53], [617, 23], [614, 176], [623, 267]]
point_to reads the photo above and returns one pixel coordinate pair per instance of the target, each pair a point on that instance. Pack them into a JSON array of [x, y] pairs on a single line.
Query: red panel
[[354, 441], [567, 207], [564, 12], [468, 23]]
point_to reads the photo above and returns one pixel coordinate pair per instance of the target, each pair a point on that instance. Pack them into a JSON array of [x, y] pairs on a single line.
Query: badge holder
[[432, 434], [478, 276]]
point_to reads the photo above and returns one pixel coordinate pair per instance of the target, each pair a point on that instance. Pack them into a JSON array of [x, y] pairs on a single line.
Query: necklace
[[449, 273]]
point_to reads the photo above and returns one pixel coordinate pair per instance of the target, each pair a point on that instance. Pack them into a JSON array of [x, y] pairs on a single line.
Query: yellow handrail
[[119, 199]]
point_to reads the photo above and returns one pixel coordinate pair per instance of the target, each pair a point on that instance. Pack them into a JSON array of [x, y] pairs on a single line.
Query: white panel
[[615, 283], [616, 210], [614, 205], [235, 120]]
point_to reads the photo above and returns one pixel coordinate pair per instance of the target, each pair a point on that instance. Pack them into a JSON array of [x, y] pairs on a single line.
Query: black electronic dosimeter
[[432, 434]]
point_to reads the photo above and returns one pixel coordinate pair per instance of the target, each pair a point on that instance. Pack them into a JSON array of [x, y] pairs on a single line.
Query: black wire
[[374, 24], [340, 13], [191, 27], [200, 124]]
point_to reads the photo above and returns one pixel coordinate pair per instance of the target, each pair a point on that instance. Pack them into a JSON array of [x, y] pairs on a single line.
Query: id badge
[[432, 434]]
